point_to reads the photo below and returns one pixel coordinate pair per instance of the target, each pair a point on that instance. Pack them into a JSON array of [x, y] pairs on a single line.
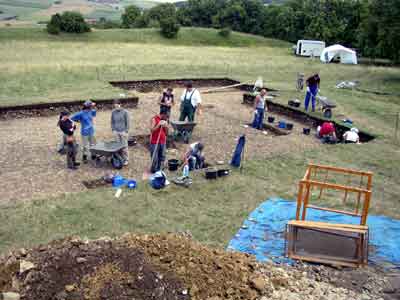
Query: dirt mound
[[167, 267], [133, 267]]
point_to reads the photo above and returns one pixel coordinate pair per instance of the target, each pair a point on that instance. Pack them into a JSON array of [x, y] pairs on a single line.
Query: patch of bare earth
[[31, 168]]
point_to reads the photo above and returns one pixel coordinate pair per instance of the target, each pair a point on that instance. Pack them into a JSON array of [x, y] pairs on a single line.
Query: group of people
[[120, 124], [327, 133]]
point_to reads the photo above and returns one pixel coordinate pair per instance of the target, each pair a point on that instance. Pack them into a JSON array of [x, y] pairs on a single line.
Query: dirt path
[[31, 168]]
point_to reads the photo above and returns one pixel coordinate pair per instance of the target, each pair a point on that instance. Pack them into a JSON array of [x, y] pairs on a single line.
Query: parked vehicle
[[309, 48]]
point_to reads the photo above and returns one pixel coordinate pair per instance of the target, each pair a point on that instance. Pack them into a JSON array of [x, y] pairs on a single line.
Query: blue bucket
[[131, 184], [282, 124], [118, 181]]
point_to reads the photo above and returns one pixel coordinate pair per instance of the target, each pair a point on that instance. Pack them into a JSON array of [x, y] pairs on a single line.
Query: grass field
[[35, 67]]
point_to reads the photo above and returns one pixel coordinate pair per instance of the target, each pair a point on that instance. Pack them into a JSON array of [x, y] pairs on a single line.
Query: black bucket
[[289, 126], [211, 173], [223, 172], [173, 164], [306, 131], [271, 119]]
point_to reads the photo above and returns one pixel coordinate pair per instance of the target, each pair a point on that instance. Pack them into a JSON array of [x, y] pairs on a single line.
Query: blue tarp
[[262, 234]]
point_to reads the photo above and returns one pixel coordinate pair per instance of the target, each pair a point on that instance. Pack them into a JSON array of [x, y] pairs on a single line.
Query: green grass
[[36, 67]]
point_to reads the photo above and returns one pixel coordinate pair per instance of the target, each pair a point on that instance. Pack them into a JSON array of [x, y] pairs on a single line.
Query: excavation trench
[[306, 119]]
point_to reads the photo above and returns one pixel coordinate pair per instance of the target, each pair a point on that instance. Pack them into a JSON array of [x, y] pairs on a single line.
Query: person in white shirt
[[190, 103], [351, 136], [194, 156]]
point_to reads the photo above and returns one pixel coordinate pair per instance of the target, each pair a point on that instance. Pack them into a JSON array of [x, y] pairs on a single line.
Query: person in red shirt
[[327, 132], [158, 140]]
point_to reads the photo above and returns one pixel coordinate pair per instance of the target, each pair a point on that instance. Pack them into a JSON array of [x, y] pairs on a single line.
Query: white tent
[[346, 55]]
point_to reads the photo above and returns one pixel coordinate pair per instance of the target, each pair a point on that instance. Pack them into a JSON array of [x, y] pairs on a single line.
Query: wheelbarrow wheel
[[117, 161]]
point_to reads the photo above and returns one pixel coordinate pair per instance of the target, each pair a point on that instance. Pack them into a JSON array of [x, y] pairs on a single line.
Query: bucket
[[271, 119], [306, 131], [131, 184], [173, 164], [282, 124], [223, 172], [211, 173], [118, 181], [289, 126]]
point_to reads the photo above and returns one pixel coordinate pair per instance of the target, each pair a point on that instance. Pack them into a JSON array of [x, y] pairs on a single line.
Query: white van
[[309, 48]]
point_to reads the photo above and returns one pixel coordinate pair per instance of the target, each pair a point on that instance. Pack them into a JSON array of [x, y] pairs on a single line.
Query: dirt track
[[31, 168]]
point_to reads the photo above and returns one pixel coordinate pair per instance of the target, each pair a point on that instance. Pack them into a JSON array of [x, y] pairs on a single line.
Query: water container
[[118, 181]]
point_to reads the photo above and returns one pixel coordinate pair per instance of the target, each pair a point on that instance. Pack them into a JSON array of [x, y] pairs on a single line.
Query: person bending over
[[195, 156]]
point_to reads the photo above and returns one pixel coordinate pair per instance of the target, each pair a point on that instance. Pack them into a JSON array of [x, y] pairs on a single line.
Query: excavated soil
[[172, 266], [29, 158]]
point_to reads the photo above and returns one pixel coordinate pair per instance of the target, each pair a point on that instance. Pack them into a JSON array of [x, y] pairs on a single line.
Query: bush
[[130, 15], [169, 27], [142, 21], [54, 26], [73, 22], [225, 32]]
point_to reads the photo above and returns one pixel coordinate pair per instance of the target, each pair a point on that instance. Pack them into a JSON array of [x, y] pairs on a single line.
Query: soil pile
[[170, 267]]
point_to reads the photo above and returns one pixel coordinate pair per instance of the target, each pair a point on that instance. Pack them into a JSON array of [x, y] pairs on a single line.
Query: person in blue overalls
[[312, 83], [259, 107], [190, 103]]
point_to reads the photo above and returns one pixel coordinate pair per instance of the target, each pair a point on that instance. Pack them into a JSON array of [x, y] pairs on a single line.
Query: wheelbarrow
[[326, 106], [182, 130], [110, 151]]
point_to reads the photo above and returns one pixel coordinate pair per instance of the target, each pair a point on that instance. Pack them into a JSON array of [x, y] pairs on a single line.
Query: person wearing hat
[[167, 101], [351, 136], [68, 127], [85, 118], [194, 156], [312, 83], [190, 103], [158, 140], [120, 121]]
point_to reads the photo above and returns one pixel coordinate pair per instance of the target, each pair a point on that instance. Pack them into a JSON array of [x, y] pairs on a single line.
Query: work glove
[[308, 89], [255, 112]]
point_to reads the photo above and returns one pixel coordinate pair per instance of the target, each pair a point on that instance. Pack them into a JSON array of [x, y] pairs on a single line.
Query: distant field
[[36, 67]]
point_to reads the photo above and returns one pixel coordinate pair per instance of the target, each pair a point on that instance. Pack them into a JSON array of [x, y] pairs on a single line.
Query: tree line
[[371, 26]]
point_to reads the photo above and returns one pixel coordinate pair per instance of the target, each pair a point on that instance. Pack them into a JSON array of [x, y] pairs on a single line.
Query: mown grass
[[37, 67]]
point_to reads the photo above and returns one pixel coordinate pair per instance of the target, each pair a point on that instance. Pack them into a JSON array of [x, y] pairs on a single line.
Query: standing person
[[167, 101], [68, 127], [312, 83], [158, 140], [85, 117], [259, 107], [190, 103], [120, 127], [194, 156]]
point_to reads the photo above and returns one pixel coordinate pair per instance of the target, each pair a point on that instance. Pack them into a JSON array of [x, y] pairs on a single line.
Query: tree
[[130, 15], [169, 27], [73, 22], [54, 26], [380, 31], [162, 11]]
